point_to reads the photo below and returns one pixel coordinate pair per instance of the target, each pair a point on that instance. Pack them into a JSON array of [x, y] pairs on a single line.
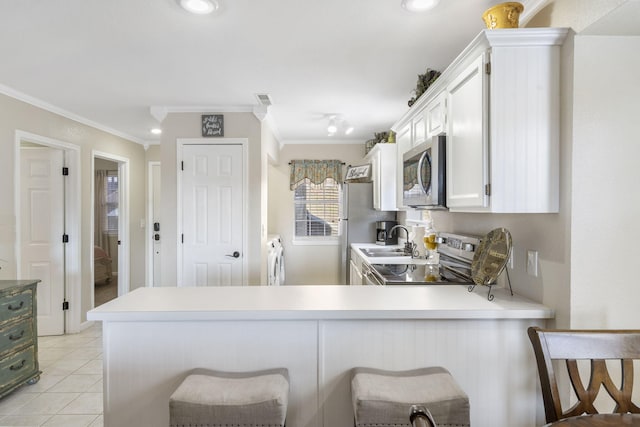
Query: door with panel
[[212, 215], [467, 139], [41, 232]]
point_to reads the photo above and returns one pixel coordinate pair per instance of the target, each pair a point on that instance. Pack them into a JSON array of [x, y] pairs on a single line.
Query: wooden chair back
[[597, 346]]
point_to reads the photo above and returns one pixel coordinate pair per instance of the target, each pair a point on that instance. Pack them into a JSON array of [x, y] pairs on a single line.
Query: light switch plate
[[532, 263], [511, 263]]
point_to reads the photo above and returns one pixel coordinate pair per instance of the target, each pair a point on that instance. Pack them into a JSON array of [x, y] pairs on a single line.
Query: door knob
[[235, 254]]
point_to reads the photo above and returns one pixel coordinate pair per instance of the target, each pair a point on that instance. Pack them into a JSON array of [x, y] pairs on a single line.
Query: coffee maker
[[383, 233]]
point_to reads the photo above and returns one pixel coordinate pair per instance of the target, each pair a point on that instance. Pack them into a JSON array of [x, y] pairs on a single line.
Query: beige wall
[[187, 125], [605, 195], [305, 265], [17, 115]]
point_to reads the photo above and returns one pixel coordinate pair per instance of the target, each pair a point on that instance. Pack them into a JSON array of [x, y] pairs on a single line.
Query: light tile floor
[[69, 392]]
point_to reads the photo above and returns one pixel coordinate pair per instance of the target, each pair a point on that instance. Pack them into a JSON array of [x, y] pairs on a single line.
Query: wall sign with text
[[212, 125]]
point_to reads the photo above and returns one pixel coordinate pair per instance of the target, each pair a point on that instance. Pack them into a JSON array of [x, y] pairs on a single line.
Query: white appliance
[[275, 261], [424, 175], [357, 221]]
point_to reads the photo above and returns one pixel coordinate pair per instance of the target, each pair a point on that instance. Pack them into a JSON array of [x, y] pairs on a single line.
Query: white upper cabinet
[[435, 114], [467, 168], [383, 174], [498, 103], [403, 144]]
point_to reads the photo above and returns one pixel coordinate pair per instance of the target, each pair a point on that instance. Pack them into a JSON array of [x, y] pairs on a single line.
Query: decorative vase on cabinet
[[18, 335]]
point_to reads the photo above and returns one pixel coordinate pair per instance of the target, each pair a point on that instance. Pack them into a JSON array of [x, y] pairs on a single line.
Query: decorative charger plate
[[491, 257]]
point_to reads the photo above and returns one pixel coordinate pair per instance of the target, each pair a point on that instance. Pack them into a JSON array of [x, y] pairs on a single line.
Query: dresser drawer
[[16, 305], [17, 367], [16, 335]]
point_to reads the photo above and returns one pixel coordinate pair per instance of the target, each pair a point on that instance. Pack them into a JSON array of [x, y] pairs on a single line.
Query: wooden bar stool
[[241, 399], [384, 398]]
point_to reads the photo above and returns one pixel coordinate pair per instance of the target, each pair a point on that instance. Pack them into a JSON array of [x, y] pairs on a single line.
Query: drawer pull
[[16, 337], [12, 308], [18, 367]]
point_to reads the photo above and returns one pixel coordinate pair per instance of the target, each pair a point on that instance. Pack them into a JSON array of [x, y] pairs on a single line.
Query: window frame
[[317, 239]]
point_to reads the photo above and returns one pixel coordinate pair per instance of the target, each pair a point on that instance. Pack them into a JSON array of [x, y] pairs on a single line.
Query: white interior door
[[41, 231], [212, 204], [156, 224]]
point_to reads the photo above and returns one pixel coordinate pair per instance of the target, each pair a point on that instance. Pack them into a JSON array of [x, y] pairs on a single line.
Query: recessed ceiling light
[[419, 5], [156, 131], [199, 7]]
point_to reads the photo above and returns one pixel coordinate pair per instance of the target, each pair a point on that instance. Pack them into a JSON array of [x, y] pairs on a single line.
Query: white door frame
[[150, 214], [73, 279], [180, 142], [124, 248]]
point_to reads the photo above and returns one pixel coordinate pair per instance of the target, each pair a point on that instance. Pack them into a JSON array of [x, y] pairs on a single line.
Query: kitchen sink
[[383, 252]]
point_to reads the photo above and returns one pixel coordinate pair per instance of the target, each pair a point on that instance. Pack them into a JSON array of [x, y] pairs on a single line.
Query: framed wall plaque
[[212, 125]]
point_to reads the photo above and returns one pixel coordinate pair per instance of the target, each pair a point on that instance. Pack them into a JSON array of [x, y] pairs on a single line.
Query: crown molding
[[12, 93]]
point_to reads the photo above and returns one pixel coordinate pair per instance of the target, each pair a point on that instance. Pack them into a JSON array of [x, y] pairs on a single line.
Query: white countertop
[[317, 303]]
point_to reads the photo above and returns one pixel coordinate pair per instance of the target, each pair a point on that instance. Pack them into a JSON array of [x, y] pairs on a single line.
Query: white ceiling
[[108, 61]]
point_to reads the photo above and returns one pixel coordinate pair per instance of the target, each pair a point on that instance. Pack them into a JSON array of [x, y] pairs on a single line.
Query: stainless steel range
[[456, 255]]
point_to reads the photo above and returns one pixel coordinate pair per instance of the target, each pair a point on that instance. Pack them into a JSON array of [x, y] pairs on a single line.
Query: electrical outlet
[[532, 263]]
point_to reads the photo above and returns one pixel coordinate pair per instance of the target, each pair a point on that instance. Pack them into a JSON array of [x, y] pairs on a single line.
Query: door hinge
[[182, 165], [487, 68], [487, 190], [65, 305], [65, 171], [182, 238], [65, 238]]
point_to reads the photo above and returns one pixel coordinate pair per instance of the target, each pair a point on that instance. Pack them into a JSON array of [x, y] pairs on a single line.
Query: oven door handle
[[419, 172], [370, 277]]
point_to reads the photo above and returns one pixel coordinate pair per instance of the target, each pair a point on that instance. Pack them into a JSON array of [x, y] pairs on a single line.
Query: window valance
[[316, 170]]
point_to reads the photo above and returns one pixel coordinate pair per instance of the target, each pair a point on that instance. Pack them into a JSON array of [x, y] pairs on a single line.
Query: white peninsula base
[[154, 337]]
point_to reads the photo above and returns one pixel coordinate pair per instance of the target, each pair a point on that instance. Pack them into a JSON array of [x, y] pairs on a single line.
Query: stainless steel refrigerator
[[357, 221]]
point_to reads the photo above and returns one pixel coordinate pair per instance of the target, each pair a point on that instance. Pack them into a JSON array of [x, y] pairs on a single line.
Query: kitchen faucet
[[409, 246]]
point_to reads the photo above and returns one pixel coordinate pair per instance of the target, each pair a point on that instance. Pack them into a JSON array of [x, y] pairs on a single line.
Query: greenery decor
[[424, 81], [378, 137]]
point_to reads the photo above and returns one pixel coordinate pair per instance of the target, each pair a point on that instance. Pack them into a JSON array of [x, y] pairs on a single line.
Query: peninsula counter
[[154, 336]]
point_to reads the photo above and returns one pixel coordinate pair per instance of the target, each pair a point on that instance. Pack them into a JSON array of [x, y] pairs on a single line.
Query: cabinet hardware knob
[[16, 337], [12, 308], [18, 367]]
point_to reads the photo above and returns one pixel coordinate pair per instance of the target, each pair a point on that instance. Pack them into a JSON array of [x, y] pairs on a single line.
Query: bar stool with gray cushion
[[241, 399], [384, 398]]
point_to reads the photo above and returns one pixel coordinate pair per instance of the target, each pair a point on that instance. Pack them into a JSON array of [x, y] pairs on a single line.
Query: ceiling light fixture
[[348, 129], [156, 131], [337, 123], [419, 5], [199, 7], [333, 127]]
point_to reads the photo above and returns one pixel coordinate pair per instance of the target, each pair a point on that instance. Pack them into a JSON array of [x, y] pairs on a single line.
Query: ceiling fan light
[[348, 130], [419, 5], [333, 127], [199, 7]]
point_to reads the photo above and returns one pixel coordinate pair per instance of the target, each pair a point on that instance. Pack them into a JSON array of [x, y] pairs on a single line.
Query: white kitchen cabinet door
[[435, 114], [403, 144], [355, 275], [467, 145], [383, 165], [419, 129]]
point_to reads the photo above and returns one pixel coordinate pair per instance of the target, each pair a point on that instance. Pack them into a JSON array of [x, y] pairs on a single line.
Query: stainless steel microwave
[[424, 175]]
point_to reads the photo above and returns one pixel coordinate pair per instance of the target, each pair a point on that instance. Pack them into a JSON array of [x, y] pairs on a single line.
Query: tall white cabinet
[[498, 104], [383, 166]]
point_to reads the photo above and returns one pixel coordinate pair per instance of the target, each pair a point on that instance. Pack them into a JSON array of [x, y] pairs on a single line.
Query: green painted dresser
[[18, 334]]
